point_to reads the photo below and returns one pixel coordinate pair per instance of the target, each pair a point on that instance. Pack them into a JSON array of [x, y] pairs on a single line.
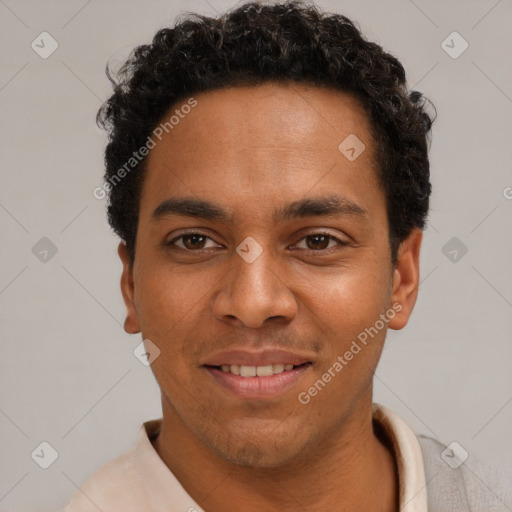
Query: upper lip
[[256, 358]]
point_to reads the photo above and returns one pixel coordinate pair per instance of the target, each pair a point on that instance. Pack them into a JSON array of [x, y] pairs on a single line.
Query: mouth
[[257, 371], [257, 382]]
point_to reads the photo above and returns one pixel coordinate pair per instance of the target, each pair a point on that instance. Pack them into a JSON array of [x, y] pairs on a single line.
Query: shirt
[[139, 481]]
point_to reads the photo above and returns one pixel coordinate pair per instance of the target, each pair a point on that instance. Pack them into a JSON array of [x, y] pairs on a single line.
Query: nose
[[255, 292]]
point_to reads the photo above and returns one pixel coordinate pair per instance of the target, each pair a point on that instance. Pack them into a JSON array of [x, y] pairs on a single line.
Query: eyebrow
[[308, 207]]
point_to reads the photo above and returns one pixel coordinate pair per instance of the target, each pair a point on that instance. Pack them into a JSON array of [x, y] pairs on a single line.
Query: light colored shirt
[[139, 481]]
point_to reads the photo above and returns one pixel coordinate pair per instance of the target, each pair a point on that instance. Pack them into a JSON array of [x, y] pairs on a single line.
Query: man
[[268, 176]]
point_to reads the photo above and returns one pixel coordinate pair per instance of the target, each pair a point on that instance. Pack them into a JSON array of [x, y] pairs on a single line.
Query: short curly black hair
[[250, 45]]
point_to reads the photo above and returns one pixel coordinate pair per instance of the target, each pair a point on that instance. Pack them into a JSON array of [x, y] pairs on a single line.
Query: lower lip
[[258, 387]]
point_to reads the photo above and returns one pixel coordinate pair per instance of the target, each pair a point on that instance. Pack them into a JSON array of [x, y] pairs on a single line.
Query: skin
[[252, 150]]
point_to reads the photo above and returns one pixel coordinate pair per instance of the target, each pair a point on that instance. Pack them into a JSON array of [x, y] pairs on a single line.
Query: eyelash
[[340, 243]]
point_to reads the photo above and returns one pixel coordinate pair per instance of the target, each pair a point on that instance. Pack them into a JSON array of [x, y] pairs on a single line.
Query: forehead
[[265, 139], [272, 113]]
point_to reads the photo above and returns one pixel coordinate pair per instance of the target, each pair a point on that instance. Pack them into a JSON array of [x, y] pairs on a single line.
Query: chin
[[266, 448], [251, 455]]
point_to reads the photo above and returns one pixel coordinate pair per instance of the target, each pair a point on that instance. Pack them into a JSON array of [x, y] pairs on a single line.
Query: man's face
[[258, 287]]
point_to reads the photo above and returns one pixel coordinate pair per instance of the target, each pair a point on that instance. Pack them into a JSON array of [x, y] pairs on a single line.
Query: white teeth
[[278, 368], [247, 371], [253, 371], [264, 371]]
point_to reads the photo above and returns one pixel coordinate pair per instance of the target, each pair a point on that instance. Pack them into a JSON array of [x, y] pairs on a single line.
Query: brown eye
[[317, 241], [321, 241], [194, 241], [191, 242]]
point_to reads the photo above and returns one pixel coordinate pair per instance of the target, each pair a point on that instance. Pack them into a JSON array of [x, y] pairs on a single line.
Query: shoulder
[[114, 487], [457, 480]]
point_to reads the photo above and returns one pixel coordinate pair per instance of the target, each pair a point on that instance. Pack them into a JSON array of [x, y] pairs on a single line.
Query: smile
[[256, 371], [257, 382]]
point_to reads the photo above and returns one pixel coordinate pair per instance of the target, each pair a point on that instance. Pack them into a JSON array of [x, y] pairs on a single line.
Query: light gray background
[[67, 371]]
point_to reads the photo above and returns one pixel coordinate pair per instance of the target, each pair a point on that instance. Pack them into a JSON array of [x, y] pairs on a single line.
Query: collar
[[162, 487], [408, 458]]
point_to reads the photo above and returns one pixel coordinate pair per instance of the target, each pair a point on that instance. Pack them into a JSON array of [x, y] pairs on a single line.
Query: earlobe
[[131, 323], [406, 278]]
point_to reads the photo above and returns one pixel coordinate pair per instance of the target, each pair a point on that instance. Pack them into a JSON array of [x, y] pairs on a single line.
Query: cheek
[[349, 299], [349, 319], [346, 308], [345, 323], [171, 306]]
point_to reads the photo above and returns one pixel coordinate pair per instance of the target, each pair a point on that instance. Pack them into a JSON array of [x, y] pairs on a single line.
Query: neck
[[354, 470]]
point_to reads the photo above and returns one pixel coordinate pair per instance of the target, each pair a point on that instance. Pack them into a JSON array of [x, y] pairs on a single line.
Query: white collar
[[408, 457], [162, 487]]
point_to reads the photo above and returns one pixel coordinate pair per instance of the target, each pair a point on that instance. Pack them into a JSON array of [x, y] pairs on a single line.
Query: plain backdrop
[[68, 374]]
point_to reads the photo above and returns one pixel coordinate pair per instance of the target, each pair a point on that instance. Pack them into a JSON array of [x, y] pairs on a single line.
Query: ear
[[131, 323], [406, 279]]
